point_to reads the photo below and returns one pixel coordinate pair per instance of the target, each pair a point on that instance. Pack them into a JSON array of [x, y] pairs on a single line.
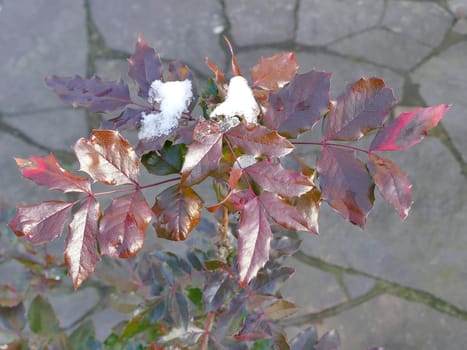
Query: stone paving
[[397, 284]]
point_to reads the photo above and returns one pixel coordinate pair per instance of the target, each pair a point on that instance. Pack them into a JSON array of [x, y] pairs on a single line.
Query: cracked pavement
[[400, 285]]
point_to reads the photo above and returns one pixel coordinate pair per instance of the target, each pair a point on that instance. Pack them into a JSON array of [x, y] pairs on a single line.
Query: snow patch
[[240, 101], [174, 98]]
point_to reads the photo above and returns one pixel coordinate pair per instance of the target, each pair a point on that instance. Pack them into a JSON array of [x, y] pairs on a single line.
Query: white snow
[[244, 161], [239, 102], [174, 98]]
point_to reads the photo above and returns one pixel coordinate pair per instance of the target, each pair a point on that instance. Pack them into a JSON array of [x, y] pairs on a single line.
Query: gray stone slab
[[460, 27], [396, 324], [426, 22], [384, 47], [70, 307], [105, 320], [442, 79], [185, 30], [56, 130], [458, 7], [39, 38], [346, 71], [14, 188], [427, 250], [323, 22], [261, 21], [311, 288], [357, 285]]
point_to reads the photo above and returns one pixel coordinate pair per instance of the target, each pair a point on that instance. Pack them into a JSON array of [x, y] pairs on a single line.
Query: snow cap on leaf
[[174, 98], [239, 102]]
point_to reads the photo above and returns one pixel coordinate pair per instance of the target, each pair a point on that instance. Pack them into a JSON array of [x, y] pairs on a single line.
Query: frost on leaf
[[174, 98], [239, 102]]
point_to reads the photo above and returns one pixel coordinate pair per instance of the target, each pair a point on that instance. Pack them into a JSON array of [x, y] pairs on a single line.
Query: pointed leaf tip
[[235, 67], [392, 183], [345, 184]]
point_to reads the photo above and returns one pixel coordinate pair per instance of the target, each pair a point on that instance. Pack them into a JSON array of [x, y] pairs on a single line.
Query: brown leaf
[[274, 72], [123, 225], [108, 157], [178, 212]]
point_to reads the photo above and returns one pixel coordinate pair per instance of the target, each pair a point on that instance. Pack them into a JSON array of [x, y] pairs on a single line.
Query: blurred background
[[397, 284]]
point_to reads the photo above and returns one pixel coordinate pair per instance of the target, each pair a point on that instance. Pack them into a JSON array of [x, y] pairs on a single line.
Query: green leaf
[[168, 161], [263, 344], [137, 324], [84, 337], [196, 296], [281, 309], [42, 318]]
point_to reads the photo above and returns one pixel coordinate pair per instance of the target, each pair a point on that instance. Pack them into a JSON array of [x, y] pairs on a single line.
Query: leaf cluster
[[258, 177]]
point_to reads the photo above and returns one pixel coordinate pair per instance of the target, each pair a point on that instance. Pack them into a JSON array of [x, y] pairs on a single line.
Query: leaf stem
[[137, 187], [331, 144], [208, 323], [229, 145], [159, 183]]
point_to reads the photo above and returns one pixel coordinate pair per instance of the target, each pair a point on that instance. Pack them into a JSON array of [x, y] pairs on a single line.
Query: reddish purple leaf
[[238, 199], [178, 71], [274, 72], [254, 237], [408, 129], [392, 183], [219, 74], [345, 184], [81, 245], [154, 144], [129, 119], [41, 223], [362, 108], [46, 171], [178, 212], [235, 67], [297, 107], [108, 157], [144, 66], [201, 159], [123, 226], [258, 140], [94, 94], [285, 214], [272, 177]]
